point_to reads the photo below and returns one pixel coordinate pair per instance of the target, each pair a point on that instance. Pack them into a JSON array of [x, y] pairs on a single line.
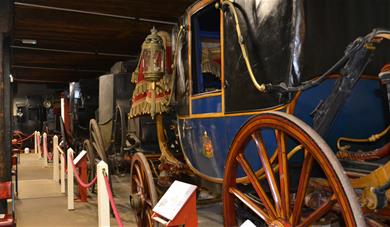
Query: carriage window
[[206, 50]]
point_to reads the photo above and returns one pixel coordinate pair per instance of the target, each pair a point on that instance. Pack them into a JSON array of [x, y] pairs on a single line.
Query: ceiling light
[[29, 41]]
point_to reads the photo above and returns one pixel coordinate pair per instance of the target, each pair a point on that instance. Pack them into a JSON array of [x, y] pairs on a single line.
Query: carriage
[[230, 99], [79, 106]]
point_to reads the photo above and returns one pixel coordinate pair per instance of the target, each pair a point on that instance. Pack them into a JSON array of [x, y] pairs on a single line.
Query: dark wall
[[5, 114], [5, 22], [332, 24]]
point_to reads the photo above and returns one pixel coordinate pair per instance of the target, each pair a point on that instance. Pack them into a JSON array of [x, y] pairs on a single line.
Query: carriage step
[[360, 166], [378, 178]]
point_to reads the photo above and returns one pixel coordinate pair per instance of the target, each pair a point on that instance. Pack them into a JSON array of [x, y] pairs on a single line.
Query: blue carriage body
[[211, 111], [363, 115]]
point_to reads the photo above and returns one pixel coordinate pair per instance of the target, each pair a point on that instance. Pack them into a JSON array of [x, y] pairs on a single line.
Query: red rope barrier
[[84, 185], [20, 141], [112, 202], [28, 137]]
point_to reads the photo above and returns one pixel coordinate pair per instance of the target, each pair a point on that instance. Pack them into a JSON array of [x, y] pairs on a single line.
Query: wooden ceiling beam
[[152, 9], [58, 69], [40, 81], [95, 13], [64, 30], [46, 75], [36, 57], [73, 51]]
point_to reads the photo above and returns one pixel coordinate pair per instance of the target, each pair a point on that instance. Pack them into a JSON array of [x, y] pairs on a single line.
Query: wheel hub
[[136, 201]]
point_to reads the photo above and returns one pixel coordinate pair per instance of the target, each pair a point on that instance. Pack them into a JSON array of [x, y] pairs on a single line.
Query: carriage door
[[200, 130], [206, 62]]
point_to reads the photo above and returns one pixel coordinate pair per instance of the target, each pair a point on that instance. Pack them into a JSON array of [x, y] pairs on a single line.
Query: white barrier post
[[39, 143], [70, 182], [35, 143], [55, 159], [45, 149], [62, 172], [103, 201]]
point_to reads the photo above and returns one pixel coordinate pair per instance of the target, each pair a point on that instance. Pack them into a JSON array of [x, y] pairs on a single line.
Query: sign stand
[[84, 177], [177, 206], [81, 162]]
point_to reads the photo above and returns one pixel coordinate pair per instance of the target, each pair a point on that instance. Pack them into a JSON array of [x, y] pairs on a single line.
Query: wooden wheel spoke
[[317, 214], [268, 170], [302, 187], [95, 146], [139, 174], [94, 137], [150, 204], [251, 204], [138, 182], [283, 174], [274, 156], [97, 149], [255, 183], [149, 217]]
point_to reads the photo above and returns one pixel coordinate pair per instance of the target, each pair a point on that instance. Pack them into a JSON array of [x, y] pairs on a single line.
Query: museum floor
[[40, 202]]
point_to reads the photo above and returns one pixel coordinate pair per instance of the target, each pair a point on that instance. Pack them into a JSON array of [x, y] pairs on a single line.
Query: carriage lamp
[[153, 57], [152, 63]]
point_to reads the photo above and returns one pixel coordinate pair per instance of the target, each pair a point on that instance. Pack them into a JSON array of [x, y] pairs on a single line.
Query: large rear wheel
[[117, 149], [96, 139], [290, 154], [143, 191], [119, 131]]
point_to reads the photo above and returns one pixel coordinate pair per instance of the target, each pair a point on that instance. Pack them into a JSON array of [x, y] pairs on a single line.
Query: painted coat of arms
[[208, 150]]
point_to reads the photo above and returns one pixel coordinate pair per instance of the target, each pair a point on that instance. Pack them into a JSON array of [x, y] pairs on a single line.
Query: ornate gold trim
[[215, 115], [206, 95], [222, 41], [162, 142]]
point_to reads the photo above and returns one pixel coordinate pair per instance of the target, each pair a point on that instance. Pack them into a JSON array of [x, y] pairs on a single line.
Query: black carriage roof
[[329, 26], [290, 46]]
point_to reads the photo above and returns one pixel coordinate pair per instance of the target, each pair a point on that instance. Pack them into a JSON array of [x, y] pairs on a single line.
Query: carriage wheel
[[143, 192], [275, 198], [97, 139], [119, 132], [90, 161]]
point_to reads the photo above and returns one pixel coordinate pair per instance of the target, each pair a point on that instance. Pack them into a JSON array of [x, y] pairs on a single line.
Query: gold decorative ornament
[[368, 198], [371, 139]]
